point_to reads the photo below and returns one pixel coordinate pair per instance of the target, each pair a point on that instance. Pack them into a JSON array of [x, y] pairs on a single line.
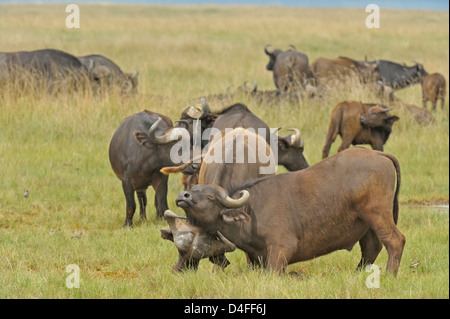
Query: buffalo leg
[[160, 187], [392, 239], [131, 204], [142, 198], [370, 248], [276, 260], [346, 142]]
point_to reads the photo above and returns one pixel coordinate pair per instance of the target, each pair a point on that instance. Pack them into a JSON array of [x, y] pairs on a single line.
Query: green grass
[[57, 148]]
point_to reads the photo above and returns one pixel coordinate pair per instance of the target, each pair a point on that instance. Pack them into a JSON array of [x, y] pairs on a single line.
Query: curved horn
[[173, 220], [377, 63], [135, 75], [293, 47], [387, 110], [171, 214], [275, 131], [255, 87], [265, 49], [205, 106], [229, 244], [183, 121], [229, 202], [296, 140], [163, 139]]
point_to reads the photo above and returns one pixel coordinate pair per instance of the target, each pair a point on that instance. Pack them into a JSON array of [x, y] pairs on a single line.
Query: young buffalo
[[359, 123]]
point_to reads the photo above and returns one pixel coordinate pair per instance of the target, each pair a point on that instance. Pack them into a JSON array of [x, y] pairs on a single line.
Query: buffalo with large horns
[[139, 148], [290, 68], [282, 219], [193, 244]]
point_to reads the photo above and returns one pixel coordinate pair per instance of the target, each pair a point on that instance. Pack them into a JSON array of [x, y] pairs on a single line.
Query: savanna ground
[[57, 148]]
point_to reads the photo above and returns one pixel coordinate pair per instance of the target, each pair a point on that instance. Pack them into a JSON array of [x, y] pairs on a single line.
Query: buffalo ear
[[283, 142], [142, 138], [233, 215], [393, 118], [166, 234]]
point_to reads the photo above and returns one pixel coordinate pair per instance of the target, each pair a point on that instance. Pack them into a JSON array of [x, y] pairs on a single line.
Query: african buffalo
[[290, 68], [193, 244], [50, 68], [344, 69], [398, 76], [238, 156], [139, 148], [271, 97], [359, 123], [287, 218], [290, 147], [433, 89], [109, 73]]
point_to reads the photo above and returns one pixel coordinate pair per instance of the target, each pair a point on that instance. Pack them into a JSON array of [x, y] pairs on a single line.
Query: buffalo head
[[379, 116], [156, 135], [192, 116], [290, 151], [272, 55], [193, 244], [130, 83], [208, 205]]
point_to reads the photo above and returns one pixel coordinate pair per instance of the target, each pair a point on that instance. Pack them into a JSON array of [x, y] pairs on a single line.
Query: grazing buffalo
[[109, 73], [359, 123], [139, 148], [193, 244], [398, 76], [419, 114], [274, 97], [433, 89], [344, 69], [238, 156], [290, 68], [48, 67], [287, 218]]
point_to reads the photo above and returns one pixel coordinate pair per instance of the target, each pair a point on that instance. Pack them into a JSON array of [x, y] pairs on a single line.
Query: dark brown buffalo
[[287, 218], [109, 73], [397, 76], [290, 68], [139, 148], [274, 97], [344, 69], [231, 160], [359, 123], [433, 89], [290, 147], [48, 68], [193, 244]]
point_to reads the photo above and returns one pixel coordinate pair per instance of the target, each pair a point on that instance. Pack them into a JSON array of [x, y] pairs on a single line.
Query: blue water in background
[[396, 4]]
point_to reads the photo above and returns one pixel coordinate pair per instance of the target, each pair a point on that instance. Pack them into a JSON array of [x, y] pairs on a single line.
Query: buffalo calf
[[433, 89], [359, 123]]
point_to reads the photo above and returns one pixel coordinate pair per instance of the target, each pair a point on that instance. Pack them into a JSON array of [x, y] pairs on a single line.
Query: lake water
[[396, 4]]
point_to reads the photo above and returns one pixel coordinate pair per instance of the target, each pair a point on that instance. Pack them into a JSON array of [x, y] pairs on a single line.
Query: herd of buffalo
[[276, 219]]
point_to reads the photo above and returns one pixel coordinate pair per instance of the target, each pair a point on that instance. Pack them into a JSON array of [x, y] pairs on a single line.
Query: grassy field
[[57, 148]]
